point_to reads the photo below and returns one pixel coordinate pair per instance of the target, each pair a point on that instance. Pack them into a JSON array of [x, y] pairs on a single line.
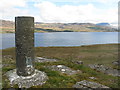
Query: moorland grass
[[92, 54]]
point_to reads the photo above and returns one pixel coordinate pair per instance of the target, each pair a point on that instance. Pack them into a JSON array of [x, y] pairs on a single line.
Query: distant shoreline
[[60, 31], [70, 46]]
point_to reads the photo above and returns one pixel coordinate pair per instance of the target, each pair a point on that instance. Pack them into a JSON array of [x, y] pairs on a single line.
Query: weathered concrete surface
[[24, 40], [105, 69], [41, 59], [63, 69], [88, 84], [38, 78]]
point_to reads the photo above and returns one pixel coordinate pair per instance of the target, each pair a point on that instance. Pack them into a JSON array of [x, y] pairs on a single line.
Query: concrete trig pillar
[[24, 39], [25, 76]]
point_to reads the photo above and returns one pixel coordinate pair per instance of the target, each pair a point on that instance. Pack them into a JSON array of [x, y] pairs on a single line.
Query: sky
[[62, 11]]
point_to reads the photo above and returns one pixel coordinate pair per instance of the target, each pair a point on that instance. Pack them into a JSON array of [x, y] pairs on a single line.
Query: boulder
[[115, 62], [88, 84], [41, 59], [64, 69]]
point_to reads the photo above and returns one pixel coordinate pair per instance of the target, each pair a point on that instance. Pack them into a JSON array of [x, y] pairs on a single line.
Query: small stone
[[63, 70], [40, 58], [59, 66], [92, 78], [79, 62]]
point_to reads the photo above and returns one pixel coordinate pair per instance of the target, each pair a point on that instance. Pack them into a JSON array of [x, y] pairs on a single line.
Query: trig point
[[25, 75], [24, 39]]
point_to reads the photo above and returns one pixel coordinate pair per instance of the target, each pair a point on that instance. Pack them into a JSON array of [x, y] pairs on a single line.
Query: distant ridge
[[6, 23], [103, 24], [38, 22], [9, 26]]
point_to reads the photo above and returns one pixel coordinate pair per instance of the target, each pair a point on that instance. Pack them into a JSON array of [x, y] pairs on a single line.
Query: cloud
[[49, 12], [8, 9], [6, 4], [11, 13], [106, 1], [98, 1]]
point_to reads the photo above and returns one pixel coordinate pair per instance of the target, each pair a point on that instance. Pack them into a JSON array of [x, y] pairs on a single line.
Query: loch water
[[64, 39]]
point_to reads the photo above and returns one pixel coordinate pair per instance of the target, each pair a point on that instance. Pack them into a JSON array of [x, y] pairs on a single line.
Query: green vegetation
[[93, 54], [50, 30]]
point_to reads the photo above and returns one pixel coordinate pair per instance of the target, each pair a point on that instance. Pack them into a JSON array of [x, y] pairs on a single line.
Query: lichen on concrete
[[38, 78]]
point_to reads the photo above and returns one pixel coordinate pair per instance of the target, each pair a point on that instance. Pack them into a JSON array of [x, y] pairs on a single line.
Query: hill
[[9, 26], [103, 24], [73, 27]]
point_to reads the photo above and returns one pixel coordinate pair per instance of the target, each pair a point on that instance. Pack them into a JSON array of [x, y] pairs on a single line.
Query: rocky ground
[[64, 69], [105, 69]]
